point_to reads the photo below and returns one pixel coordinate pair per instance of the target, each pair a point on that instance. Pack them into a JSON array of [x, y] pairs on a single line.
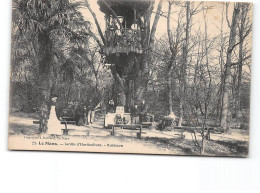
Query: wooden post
[[139, 135], [182, 136], [208, 134], [113, 130], [65, 131]]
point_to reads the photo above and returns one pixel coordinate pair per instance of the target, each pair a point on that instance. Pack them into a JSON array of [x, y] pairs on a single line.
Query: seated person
[[120, 112]]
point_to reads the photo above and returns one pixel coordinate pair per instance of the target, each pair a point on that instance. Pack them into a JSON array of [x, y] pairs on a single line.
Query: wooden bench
[[193, 130], [137, 127], [36, 122], [66, 130], [147, 124]]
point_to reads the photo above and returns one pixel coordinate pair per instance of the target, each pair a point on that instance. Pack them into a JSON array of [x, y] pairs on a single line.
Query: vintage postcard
[[131, 76]]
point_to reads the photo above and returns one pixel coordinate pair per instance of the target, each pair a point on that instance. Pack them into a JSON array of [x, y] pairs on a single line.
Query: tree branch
[[96, 22], [227, 4], [243, 38], [238, 62], [168, 28], [95, 38], [156, 19]]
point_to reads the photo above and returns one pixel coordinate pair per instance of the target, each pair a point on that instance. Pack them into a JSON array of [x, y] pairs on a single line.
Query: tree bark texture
[[227, 78]]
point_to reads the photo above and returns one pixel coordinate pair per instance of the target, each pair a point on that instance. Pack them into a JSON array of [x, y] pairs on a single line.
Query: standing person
[[89, 111], [54, 125], [144, 110], [85, 115], [135, 114], [111, 107], [77, 114]]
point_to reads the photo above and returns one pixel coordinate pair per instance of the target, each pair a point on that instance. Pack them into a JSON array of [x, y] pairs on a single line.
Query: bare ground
[[234, 143]]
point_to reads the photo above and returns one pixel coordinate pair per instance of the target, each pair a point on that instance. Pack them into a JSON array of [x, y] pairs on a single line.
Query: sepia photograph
[[131, 76]]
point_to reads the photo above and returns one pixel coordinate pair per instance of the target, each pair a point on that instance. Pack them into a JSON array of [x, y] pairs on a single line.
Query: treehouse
[[124, 25]]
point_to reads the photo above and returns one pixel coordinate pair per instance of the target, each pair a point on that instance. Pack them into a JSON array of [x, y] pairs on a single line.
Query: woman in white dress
[[54, 125]]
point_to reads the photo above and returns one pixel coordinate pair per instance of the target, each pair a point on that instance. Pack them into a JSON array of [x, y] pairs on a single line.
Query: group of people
[[84, 115], [139, 112]]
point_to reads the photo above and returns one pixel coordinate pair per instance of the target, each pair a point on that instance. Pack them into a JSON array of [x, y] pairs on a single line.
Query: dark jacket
[[135, 112], [144, 109], [111, 108]]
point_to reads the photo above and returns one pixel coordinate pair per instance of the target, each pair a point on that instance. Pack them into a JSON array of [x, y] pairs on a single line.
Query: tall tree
[[132, 87], [43, 23], [190, 11], [244, 29], [227, 76], [174, 44]]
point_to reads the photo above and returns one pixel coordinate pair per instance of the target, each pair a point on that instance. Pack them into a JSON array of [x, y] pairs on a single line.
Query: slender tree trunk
[[221, 62], [170, 90], [173, 57], [128, 96], [184, 64], [97, 82], [181, 114]]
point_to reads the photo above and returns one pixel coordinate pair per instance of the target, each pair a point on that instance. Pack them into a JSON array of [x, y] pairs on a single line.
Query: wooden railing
[[122, 40]]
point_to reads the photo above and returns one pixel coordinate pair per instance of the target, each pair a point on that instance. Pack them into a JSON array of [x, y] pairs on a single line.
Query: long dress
[[54, 125]]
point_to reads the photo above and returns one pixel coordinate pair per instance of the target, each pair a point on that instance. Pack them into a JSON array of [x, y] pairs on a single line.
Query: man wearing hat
[[85, 115], [111, 107], [144, 110], [135, 114]]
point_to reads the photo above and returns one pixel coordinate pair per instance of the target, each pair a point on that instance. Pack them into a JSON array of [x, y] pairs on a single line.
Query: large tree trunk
[[148, 44], [45, 92], [120, 86], [241, 57], [45, 79], [227, 78]]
